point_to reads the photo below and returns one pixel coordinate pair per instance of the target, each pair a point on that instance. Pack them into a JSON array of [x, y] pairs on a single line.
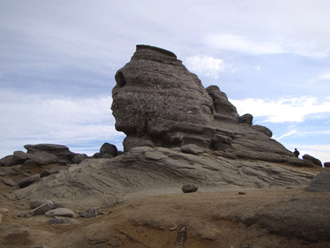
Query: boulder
[[45, 173], [38, 203], [64, 212], [42, 209], [320, 183], [28, 181], [7, 160], [263, 129], [107, 148], [8, 182], [312, 159], [61, 152], [78, 158], [189, 188], [246, 119], [326, 164], [19, 157], [43, 158]]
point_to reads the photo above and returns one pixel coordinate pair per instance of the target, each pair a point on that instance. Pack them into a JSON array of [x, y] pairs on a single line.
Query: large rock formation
[[158, 102]]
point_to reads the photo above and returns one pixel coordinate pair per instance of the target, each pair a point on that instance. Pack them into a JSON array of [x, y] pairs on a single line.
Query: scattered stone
[[8, 182], [189, 188], [90, 213], [45, 173], [312, 159], [42, 209], [320, 183], [35, 204], [64, 212], [28, 181], [326, 164], [192, 149], [60, 220], [241, 193]]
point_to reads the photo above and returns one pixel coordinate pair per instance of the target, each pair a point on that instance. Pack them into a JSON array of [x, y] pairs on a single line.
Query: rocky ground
[[272, 216]]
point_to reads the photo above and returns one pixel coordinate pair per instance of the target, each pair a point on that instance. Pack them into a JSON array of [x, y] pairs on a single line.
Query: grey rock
[[8, 182], [97, 155], [44, 158], [30, 163], [2, 173], [326, 164], [107, 148], [189, 188], [90, 213], [78, 158], [61, 152], [246, 119], [64, 212], [320, 183], [42, 209], [98, 182], [28, 181], [0, 218], [60, 220], [106, 155], [38, 203], [191, 148], [7, 160], [19, 157], [312, 159]]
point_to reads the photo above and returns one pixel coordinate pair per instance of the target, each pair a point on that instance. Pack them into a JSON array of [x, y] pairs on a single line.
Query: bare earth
[[248, 217]]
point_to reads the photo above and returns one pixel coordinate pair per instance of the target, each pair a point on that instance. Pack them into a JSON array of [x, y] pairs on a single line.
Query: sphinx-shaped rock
[[157, 102]]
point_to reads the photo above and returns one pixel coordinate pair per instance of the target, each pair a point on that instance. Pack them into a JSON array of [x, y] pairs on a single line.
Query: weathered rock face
[[158, 102]]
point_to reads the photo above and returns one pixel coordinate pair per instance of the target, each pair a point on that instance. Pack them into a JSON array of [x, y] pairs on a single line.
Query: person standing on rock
[[296, 152]]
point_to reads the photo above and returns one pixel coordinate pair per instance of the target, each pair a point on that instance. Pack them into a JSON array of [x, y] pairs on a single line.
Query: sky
[[58, 61]]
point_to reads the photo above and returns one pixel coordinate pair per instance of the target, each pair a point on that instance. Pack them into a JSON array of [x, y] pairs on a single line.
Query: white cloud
[[45, 119], [286, 109], [325, 76], [206, 65]]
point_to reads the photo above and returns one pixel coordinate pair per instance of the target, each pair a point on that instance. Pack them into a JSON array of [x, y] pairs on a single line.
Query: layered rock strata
[[158, 102]]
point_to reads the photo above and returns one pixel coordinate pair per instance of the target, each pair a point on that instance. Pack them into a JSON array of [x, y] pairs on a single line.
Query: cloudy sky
[[58, 60]]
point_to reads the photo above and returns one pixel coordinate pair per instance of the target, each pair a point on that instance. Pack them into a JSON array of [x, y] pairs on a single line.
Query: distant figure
[[296, 152]]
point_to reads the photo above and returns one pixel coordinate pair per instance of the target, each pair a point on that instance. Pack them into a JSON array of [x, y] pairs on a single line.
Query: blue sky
[[58, 60]]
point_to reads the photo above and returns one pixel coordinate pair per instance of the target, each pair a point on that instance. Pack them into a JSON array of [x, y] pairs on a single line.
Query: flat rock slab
[[320, 183], [28, 181], [155, 155], [191, 148], [64, 212], [8, 182]]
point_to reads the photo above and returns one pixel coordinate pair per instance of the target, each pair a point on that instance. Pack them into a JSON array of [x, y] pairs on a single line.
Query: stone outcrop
[[310, 158], [157, 102], [320, 183], [146, 170]]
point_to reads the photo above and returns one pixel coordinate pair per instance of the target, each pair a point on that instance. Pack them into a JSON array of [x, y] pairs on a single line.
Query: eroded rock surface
[[157, 102]]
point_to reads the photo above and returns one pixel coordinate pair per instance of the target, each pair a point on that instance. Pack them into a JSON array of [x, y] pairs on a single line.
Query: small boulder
[[107, 148], [19, 157], [189, 188], [326, 164], [312, 159], [38, 203], [64, 212], [42, 209], [90, 213], [30, 163], [192, 149], [7, 161], [78, 158], [28, 181]]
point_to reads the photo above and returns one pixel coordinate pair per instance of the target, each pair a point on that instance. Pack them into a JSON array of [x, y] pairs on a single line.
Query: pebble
[[189, 188], [241, 193]]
